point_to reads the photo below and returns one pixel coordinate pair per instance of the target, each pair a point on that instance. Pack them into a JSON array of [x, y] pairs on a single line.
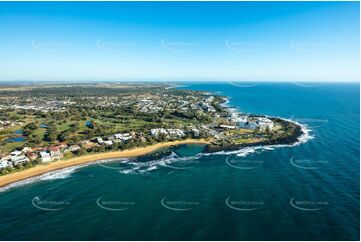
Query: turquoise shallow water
[[305, 192]]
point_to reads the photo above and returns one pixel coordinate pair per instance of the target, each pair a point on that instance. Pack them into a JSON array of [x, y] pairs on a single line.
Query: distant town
[[45, 123]]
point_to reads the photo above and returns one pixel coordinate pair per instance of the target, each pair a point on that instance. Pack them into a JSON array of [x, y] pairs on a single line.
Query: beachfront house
[[123, 137], [5, 162], [55, 153], [26, 149], [31, 155], [16, 153], [19, 160], [159, 131], [45, 156], [167, 132], [100, 140], [74, 148], [108, 142], [195, 132], [175, 132]]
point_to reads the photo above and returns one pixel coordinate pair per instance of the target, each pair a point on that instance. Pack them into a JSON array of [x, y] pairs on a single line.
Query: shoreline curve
[[6, 180]]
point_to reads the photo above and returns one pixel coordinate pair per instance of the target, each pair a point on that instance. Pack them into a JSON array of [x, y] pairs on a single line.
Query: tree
[[52, 134], [74, 127], [31, 126], [64, 136]]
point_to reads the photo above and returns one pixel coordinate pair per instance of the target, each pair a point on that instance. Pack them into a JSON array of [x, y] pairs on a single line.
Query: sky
[[180, 41]]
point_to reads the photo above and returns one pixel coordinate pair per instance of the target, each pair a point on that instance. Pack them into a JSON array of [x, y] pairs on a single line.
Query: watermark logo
[[114, 205], [306, 46], [313, 122], [243, 205], [114, 46], [243, 164], [241, 46], [307, 164], [49, 205], [242, 84], [107, 165], [178, 46], [184, 164], [307, 205], [49, 46], [308, 84], [179, 205]]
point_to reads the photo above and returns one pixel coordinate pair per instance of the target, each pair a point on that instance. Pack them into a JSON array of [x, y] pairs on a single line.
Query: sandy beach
[[44, 168]]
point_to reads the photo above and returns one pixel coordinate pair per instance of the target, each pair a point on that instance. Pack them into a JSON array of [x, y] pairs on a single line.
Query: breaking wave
[[172, 161], [63, 173], [52, 175]]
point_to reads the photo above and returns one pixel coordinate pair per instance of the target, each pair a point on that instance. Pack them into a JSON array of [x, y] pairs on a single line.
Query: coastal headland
[[50, 127]]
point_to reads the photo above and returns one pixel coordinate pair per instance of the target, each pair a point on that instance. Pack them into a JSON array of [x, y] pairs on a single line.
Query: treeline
[[84, 91]]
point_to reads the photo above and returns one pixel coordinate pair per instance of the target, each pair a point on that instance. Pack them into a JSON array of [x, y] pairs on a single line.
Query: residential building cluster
[[4, 124], [247, 122], [115, 138], [27, 154], [170, 102], [170, 133]]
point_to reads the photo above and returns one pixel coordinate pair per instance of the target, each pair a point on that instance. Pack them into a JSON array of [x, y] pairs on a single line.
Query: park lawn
[[245, 140], [40, 132], [9, 132], [82, 126], [64, 126], [11, 146], [242, 131]]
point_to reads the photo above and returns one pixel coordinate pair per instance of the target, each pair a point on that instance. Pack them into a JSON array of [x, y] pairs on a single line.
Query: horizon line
[[175, 81]]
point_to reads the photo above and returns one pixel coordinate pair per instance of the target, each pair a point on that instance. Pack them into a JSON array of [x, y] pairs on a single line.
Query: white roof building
[[227, 126], [156, 132], [26, 149], [15, 153], [108, 142], [124, 137], [21, 159], [4, 163], [264, 123], [45, 156]]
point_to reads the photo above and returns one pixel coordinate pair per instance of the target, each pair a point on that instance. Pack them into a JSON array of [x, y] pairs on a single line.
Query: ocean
[[309, 191]]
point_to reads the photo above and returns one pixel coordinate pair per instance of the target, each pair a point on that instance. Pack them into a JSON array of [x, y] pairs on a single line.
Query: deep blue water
[[306, 192]]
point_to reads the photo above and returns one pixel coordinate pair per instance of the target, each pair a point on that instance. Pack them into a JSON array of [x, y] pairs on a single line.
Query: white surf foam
[[144, 167], [135, 167], [52, 175], [243, 152], [61, 174]]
